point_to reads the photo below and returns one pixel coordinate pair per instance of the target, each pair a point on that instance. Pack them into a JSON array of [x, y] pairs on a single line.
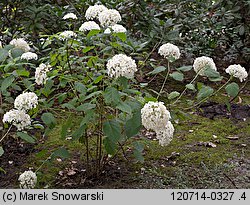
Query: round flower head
[[237, 71], [165, 135], [203, 63], [18, 118], [41, 73], [26, 101], [121, 65], [169, 51], [66, 35], [27, 180], [69, 16], [155, 116], [93, 11], [20, 43], [29, 56], [117, 28], [109, 17], [88, 26]]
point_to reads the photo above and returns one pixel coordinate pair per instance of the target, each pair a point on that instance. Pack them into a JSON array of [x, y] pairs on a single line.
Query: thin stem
[[165, 80], [5, 135], [203, 100], [185, 89], [49, 157]]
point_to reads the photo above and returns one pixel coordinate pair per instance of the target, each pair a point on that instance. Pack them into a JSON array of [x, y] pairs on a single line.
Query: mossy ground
[[188, 162]]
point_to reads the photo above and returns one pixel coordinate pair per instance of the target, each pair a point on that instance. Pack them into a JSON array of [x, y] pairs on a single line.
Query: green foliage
[[26, 137], [232, 89]]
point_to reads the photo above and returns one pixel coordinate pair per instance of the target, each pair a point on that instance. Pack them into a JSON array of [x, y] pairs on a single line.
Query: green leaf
[[121, 36], [1, 151], [85, 107], [111, 96], [211, 73], [173, 95], [61, 152], [204, 92], [232, 89], [16, 52], [177, 76], [7, 82], [24, 73], [138, 149], [185, 68], [93, 33], [2, 170], [191, 87], [157, 70], [98, 79], [110, 146], [124, 107], [112, 130], [65, 128], [87, 49], [3, 54], [26, 137], [133, 125], [49, 119], [81, 88], [79, 132]]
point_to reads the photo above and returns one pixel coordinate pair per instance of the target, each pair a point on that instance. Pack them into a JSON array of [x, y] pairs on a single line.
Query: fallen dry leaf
[[232, 138]]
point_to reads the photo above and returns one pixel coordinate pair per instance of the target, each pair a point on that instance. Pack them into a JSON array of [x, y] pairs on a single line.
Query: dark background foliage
[[217, 28]]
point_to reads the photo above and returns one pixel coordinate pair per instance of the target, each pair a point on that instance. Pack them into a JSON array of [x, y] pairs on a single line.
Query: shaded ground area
[[210, 150]]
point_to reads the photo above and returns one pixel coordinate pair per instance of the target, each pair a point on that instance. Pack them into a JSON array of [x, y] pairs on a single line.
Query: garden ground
[[209, 150]]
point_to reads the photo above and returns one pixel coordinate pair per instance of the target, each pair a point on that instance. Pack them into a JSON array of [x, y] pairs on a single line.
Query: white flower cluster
[[26, 101], [41, 73], [66, 35], [237, 71], [155, 116], [165, 136], [203, 63], [117, 28], [169, 51], [69, 16], [93, 11], [29, 56], [27, 180], [109, 17], [121, 65], [88, 26], [18, 118], [20, 43]]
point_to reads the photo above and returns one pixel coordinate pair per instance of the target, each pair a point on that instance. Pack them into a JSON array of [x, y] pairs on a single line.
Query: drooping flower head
[[169, 51], [93, 11], [109, 17], [27, 180], [237, 71], [29, 56], [121, 65], [69, 16], [20, 43], [41, 73], [66, 35], [88, 26], [155, 116], [26, 101], [117, 28], [18, 118], [203, 63], [165, 135]]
